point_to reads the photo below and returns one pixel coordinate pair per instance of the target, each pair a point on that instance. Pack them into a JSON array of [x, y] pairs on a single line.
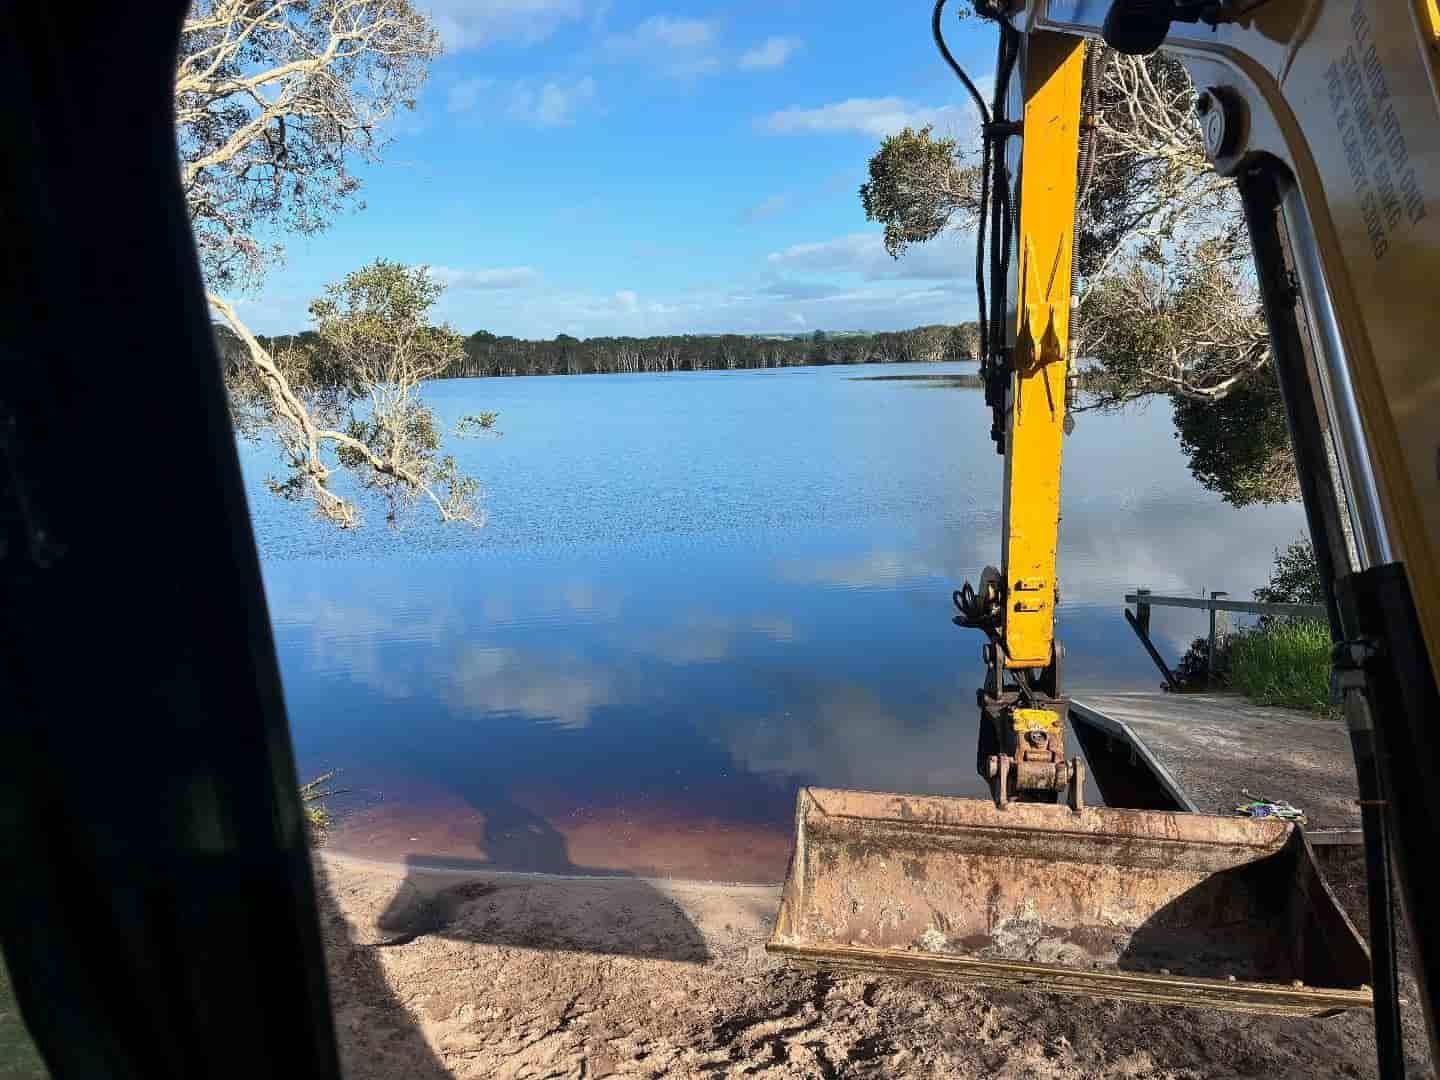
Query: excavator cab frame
[[168, 921]]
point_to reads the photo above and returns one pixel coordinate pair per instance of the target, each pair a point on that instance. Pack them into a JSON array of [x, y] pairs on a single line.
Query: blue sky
[[592, 167]]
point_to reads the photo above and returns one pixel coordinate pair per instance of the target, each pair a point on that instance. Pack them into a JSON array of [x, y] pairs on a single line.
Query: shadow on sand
[[469, 900], [365, 1007], [524, 892]]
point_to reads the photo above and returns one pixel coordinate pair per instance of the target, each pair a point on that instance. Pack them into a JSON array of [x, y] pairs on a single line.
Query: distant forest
[[487, 354]]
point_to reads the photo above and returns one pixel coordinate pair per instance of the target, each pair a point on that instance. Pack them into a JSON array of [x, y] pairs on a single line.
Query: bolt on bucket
[[1188, 909]]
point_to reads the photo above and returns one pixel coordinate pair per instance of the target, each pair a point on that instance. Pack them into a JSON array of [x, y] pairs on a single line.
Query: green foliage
[[375, 335], [385, 305], [1286, 662], [1193, 671], [1180, 318], [918, 188], [487, 354], [964, 342], [348, 393], [1194, 331], [312, 797], [1295, 578], [1239, 446]]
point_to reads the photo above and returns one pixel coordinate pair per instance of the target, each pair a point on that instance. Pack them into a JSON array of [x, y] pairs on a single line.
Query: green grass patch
[[312, 797], [1286, 662]]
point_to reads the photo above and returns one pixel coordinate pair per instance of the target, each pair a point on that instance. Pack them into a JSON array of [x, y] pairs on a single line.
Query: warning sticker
[[1375, 150]]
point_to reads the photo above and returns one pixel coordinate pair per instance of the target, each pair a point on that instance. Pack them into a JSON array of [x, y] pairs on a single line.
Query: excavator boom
[[1325, 113]]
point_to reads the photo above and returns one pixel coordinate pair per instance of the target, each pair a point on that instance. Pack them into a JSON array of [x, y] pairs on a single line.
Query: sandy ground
[[455, 973]]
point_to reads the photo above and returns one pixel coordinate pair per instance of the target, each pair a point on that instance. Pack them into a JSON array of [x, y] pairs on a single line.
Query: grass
[[1286, 662], [312, 795]]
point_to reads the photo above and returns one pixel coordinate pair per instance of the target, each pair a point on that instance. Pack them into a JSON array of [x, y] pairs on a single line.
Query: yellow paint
[[1432, 9], [1053, 66], [1024, 720]]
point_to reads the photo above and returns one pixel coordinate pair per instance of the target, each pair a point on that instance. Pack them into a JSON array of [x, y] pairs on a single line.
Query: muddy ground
[[469, 974]]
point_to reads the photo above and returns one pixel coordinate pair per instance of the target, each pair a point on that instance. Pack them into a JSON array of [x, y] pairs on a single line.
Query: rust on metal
[[1185, 908]]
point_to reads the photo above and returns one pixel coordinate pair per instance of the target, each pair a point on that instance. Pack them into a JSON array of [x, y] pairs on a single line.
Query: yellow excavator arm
[[1022, 744], [1035, 410], [1326, 114]]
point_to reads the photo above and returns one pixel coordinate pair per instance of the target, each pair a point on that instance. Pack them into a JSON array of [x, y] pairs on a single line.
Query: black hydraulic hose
[[1097, 58], [994, 223], [982, 219], [939, 35], [1001, 207], [935, 29]]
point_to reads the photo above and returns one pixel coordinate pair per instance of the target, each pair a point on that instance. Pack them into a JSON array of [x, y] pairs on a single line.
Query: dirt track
[[469, 975]]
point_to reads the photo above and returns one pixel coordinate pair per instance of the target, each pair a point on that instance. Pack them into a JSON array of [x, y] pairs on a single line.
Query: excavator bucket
[[1189, 909]]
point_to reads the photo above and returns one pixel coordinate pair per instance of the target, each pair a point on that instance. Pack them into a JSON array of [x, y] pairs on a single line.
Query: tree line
[[486, 354]]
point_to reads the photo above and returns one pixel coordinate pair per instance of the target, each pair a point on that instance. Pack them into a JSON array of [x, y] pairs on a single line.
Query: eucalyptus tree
[[277, 102]]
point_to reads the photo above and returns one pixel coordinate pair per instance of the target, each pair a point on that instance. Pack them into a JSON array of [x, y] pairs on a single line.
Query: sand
[[461, 973]]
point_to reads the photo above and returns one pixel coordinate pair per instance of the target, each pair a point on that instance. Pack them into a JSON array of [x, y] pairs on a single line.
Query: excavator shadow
[[370, 1020], [526, 891]]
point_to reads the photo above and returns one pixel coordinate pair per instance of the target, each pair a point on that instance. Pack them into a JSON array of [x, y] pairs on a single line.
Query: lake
[[694, 593]]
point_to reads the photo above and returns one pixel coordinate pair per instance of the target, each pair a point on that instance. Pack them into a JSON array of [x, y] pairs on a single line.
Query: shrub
[[312, 796], [1285, 662]]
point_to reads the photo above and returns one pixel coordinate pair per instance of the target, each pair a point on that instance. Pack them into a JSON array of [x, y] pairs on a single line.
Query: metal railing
[[1144, 600]]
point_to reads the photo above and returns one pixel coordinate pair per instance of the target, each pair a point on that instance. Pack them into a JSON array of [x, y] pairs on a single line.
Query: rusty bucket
[[1189, 909]]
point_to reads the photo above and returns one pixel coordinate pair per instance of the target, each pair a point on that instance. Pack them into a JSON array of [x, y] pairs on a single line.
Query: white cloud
[[771, 297], [703, 637], [876, 117], [552, 104], [857, 252], [770, 53], [672, 45], [692, 67], [843, 283], [509, 277], [464, 24], [663, 32], [799, 290], [564, 690], [864, 254], [466, 94], [765, 209]]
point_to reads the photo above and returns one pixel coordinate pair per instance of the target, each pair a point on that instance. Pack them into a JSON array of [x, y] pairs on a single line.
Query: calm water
[[694, 593]]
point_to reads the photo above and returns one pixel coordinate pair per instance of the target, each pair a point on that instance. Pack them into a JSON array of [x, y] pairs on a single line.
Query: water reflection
[[557, 687], [759, 602]]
